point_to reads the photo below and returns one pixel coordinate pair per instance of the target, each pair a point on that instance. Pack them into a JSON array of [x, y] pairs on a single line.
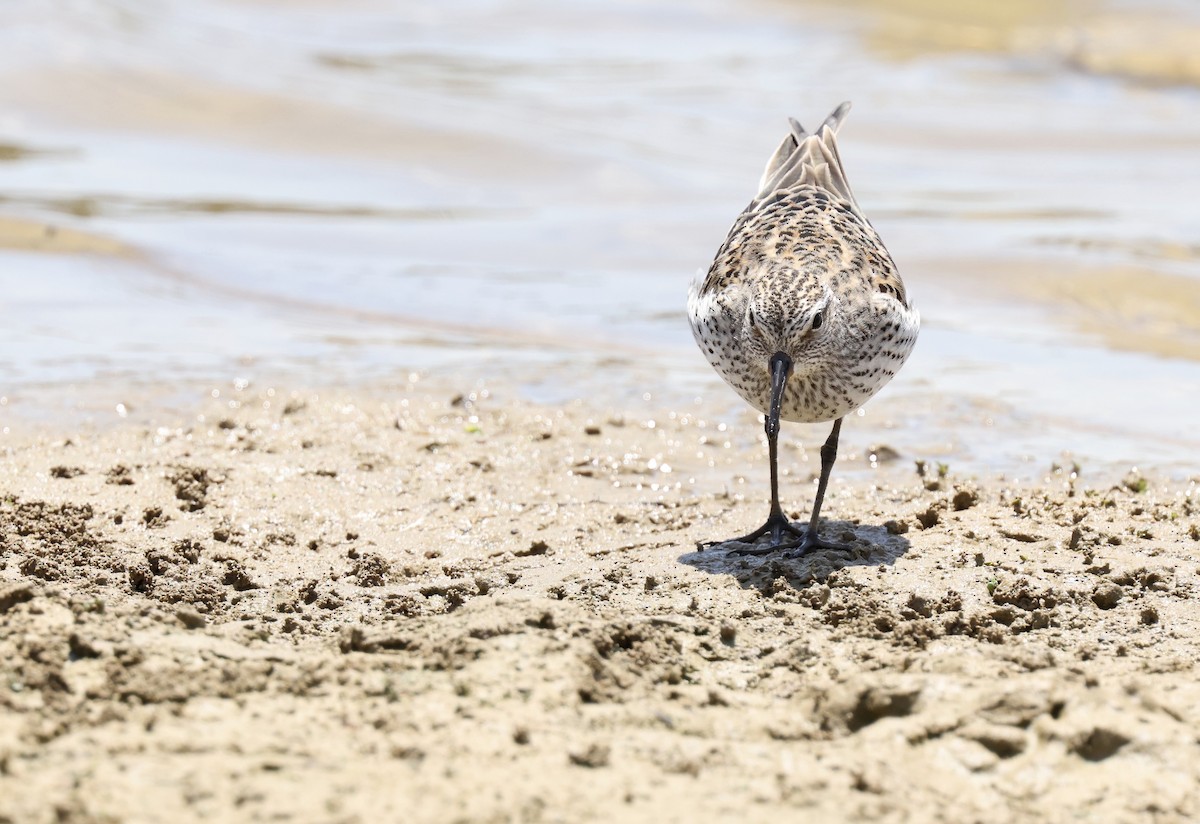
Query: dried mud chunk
[[1022, 537], [854, 706], [188, 549], [81, 647], [53, 542], [237, 577], [35, 567], [1003, 741], [309, 592], [14, 594], [990, 633], [153, 517], [455, 593], [280, 538], [919, 633], [371, 570], [203, 592], [544, 620], [951, 602], [119, 475], [631, 656], [1031, 657], [917, 605], [860, 613], [141, 578], [1041, 619], [596, 755], [330, 601], [190, 618], [971, 755], [1024, 595], [877, 703], [964, 498], [286, 600], [1156, 579], [159, 560], [408, 604], [1099, 743], [792, 728], [191, 487], [814, 596], [357, 639], [929, 518], [535, 548], [1107, 595], [1018, 708]]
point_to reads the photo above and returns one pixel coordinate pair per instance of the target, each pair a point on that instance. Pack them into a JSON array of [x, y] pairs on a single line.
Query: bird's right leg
[[777, 524]]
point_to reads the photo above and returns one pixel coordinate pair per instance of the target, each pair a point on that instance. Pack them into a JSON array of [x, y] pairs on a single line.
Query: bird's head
[[797, 327]]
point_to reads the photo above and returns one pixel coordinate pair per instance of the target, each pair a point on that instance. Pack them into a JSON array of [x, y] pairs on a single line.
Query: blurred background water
[[352, 190]]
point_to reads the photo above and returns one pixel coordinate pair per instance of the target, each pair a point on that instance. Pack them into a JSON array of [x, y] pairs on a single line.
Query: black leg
[[828, 455], [777, 521]]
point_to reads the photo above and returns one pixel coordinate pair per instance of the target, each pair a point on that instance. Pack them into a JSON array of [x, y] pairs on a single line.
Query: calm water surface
[[350, 191]]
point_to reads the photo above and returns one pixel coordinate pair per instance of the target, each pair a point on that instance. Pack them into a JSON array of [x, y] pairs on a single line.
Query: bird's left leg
[[811, 539]]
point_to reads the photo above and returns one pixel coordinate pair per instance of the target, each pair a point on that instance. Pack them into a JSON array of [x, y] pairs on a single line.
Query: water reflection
[[377, 184]]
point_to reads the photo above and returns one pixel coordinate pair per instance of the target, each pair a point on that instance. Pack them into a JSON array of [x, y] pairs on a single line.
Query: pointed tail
[[809, 159]]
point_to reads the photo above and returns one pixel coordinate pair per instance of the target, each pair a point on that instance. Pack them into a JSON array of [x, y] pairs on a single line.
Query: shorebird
[[802, 311]]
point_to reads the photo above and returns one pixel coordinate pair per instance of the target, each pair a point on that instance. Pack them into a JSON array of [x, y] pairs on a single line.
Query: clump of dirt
[[53, 541], [964, 498], [371, 570], [178, 575], [154, 517], [632, 654], [120, 475], [191, 487]]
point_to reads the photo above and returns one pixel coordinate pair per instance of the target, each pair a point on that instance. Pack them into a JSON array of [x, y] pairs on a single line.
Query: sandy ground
[[418, 606]]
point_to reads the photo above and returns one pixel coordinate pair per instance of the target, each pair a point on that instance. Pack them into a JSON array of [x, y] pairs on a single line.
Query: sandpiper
[[802, 311]]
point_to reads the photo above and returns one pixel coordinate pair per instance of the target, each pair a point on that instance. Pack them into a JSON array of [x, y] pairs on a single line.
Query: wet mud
[[456, 606]]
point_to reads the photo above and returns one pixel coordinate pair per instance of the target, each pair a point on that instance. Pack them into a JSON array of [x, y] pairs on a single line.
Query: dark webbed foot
[[778, 527], [813, 541]]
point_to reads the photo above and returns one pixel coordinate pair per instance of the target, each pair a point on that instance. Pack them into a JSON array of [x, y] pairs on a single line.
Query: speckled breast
[[826, 387]]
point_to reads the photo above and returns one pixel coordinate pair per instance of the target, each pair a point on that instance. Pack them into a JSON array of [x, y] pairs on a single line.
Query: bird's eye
[[817, 321]]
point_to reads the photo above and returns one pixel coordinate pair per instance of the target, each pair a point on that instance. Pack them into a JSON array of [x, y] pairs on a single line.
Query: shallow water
[[351, 191]]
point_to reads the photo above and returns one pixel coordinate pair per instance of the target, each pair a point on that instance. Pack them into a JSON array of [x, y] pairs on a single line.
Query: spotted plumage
[[803, 276]]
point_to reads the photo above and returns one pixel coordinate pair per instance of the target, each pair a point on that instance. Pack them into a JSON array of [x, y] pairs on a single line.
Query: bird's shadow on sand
[[871, 546]]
